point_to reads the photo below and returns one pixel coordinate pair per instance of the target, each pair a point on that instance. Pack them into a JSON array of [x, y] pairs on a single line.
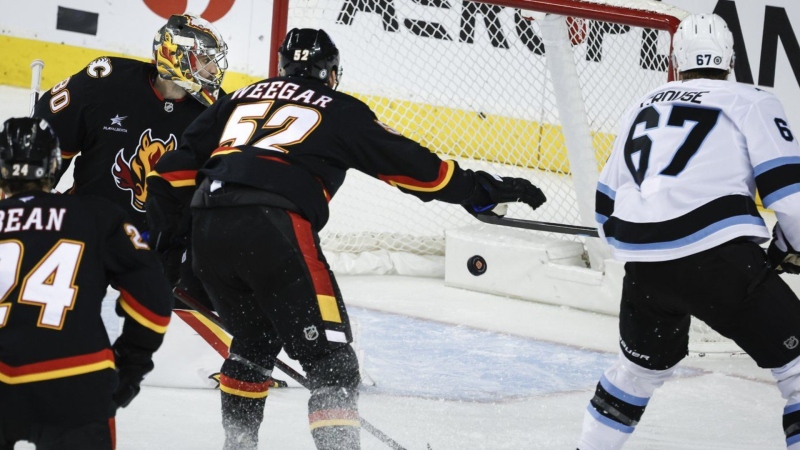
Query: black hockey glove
[[782, 257], [132, 366], [498, 190]]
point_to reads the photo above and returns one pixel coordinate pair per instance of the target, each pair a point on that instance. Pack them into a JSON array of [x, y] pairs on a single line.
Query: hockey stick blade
[[538, 226], [189, 301]]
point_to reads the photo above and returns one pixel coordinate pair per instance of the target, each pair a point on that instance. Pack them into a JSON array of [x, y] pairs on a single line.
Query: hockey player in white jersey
[[677, 202]]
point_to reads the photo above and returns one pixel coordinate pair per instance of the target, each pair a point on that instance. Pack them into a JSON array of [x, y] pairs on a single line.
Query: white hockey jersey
[[684, 169]]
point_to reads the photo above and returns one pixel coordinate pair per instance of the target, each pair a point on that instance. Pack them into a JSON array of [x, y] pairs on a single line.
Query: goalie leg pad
[[333, 405], [619, 402], [788, 378]]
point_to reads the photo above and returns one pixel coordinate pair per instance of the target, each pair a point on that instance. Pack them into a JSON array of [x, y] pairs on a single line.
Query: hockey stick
[[538, 226], [36, 80], [187, 299]]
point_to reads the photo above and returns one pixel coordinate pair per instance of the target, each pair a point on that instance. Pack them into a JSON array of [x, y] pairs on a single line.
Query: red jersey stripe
[[57, 368], [179, 175], [142, 315], [446, 169]]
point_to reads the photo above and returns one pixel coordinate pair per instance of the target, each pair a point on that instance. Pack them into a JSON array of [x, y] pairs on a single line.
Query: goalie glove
[[780, 253], [492, 191]]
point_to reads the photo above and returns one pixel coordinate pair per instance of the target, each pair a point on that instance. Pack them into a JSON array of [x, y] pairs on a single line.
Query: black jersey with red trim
[[296, 137], [58, 254], [112, 116]]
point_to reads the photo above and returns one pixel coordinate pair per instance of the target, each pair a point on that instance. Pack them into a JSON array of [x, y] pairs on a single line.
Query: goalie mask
[[309, 53], [703, 41], [29, 150], [190, 52]]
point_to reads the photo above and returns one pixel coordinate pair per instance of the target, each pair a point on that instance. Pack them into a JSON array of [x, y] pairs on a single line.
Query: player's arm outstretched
[[145, 303], [414, 169]]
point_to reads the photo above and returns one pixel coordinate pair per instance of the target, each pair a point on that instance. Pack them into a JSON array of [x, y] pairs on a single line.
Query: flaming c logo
[[130, 175], [215, 10]]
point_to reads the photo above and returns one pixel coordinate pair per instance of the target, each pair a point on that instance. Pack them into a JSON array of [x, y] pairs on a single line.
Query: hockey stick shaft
[[538, 226], [187, 299], [36, 81]]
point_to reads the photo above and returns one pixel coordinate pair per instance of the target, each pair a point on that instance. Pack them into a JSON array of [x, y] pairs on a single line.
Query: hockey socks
[[611, 417], [333, 405], [333, 418], [618, 404], [788, 378], [791, 426], [242, 411]]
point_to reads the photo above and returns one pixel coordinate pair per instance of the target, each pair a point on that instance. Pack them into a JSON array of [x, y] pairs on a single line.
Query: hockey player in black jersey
[[676, 201], [61, 381], [274, 154], [118, 116]]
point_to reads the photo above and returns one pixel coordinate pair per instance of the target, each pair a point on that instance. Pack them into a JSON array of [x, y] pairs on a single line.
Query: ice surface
[[457, 369], [479, 386]]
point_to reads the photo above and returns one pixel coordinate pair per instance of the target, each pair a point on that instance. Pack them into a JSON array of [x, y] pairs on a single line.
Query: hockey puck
[[476, 265]]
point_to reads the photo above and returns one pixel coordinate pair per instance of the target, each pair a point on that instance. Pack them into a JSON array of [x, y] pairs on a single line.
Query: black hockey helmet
[[29, 150], [309, 53]]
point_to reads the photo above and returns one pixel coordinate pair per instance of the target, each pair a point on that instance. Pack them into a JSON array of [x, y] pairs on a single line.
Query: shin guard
[[618, 404], [788, 378]]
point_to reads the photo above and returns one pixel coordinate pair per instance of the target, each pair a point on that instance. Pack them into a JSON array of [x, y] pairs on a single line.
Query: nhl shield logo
[[791, 343], [312, 334], [168, 106]]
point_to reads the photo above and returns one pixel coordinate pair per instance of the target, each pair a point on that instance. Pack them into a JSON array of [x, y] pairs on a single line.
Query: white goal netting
[[507, 89], [471, 82]]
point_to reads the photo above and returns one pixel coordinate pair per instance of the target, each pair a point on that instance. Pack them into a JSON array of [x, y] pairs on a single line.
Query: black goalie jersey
[[112, 115], [58, 254]]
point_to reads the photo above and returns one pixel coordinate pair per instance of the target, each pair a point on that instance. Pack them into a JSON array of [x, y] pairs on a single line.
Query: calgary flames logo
[[130, 175]]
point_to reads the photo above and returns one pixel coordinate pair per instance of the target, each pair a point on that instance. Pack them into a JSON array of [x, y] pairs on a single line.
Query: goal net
[[525, 88], [475, 82]]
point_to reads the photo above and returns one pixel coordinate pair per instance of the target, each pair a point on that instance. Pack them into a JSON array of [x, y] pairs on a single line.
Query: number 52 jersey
[[683, 173]]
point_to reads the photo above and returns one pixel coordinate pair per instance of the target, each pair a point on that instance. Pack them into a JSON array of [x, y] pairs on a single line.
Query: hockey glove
[[132, 366], [782, 257], [498, 190]]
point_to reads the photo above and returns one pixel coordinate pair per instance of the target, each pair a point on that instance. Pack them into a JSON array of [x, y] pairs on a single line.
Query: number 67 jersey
[[683, 173]]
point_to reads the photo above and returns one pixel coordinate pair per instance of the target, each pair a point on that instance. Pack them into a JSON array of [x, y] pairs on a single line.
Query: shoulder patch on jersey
[[99, 68]]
